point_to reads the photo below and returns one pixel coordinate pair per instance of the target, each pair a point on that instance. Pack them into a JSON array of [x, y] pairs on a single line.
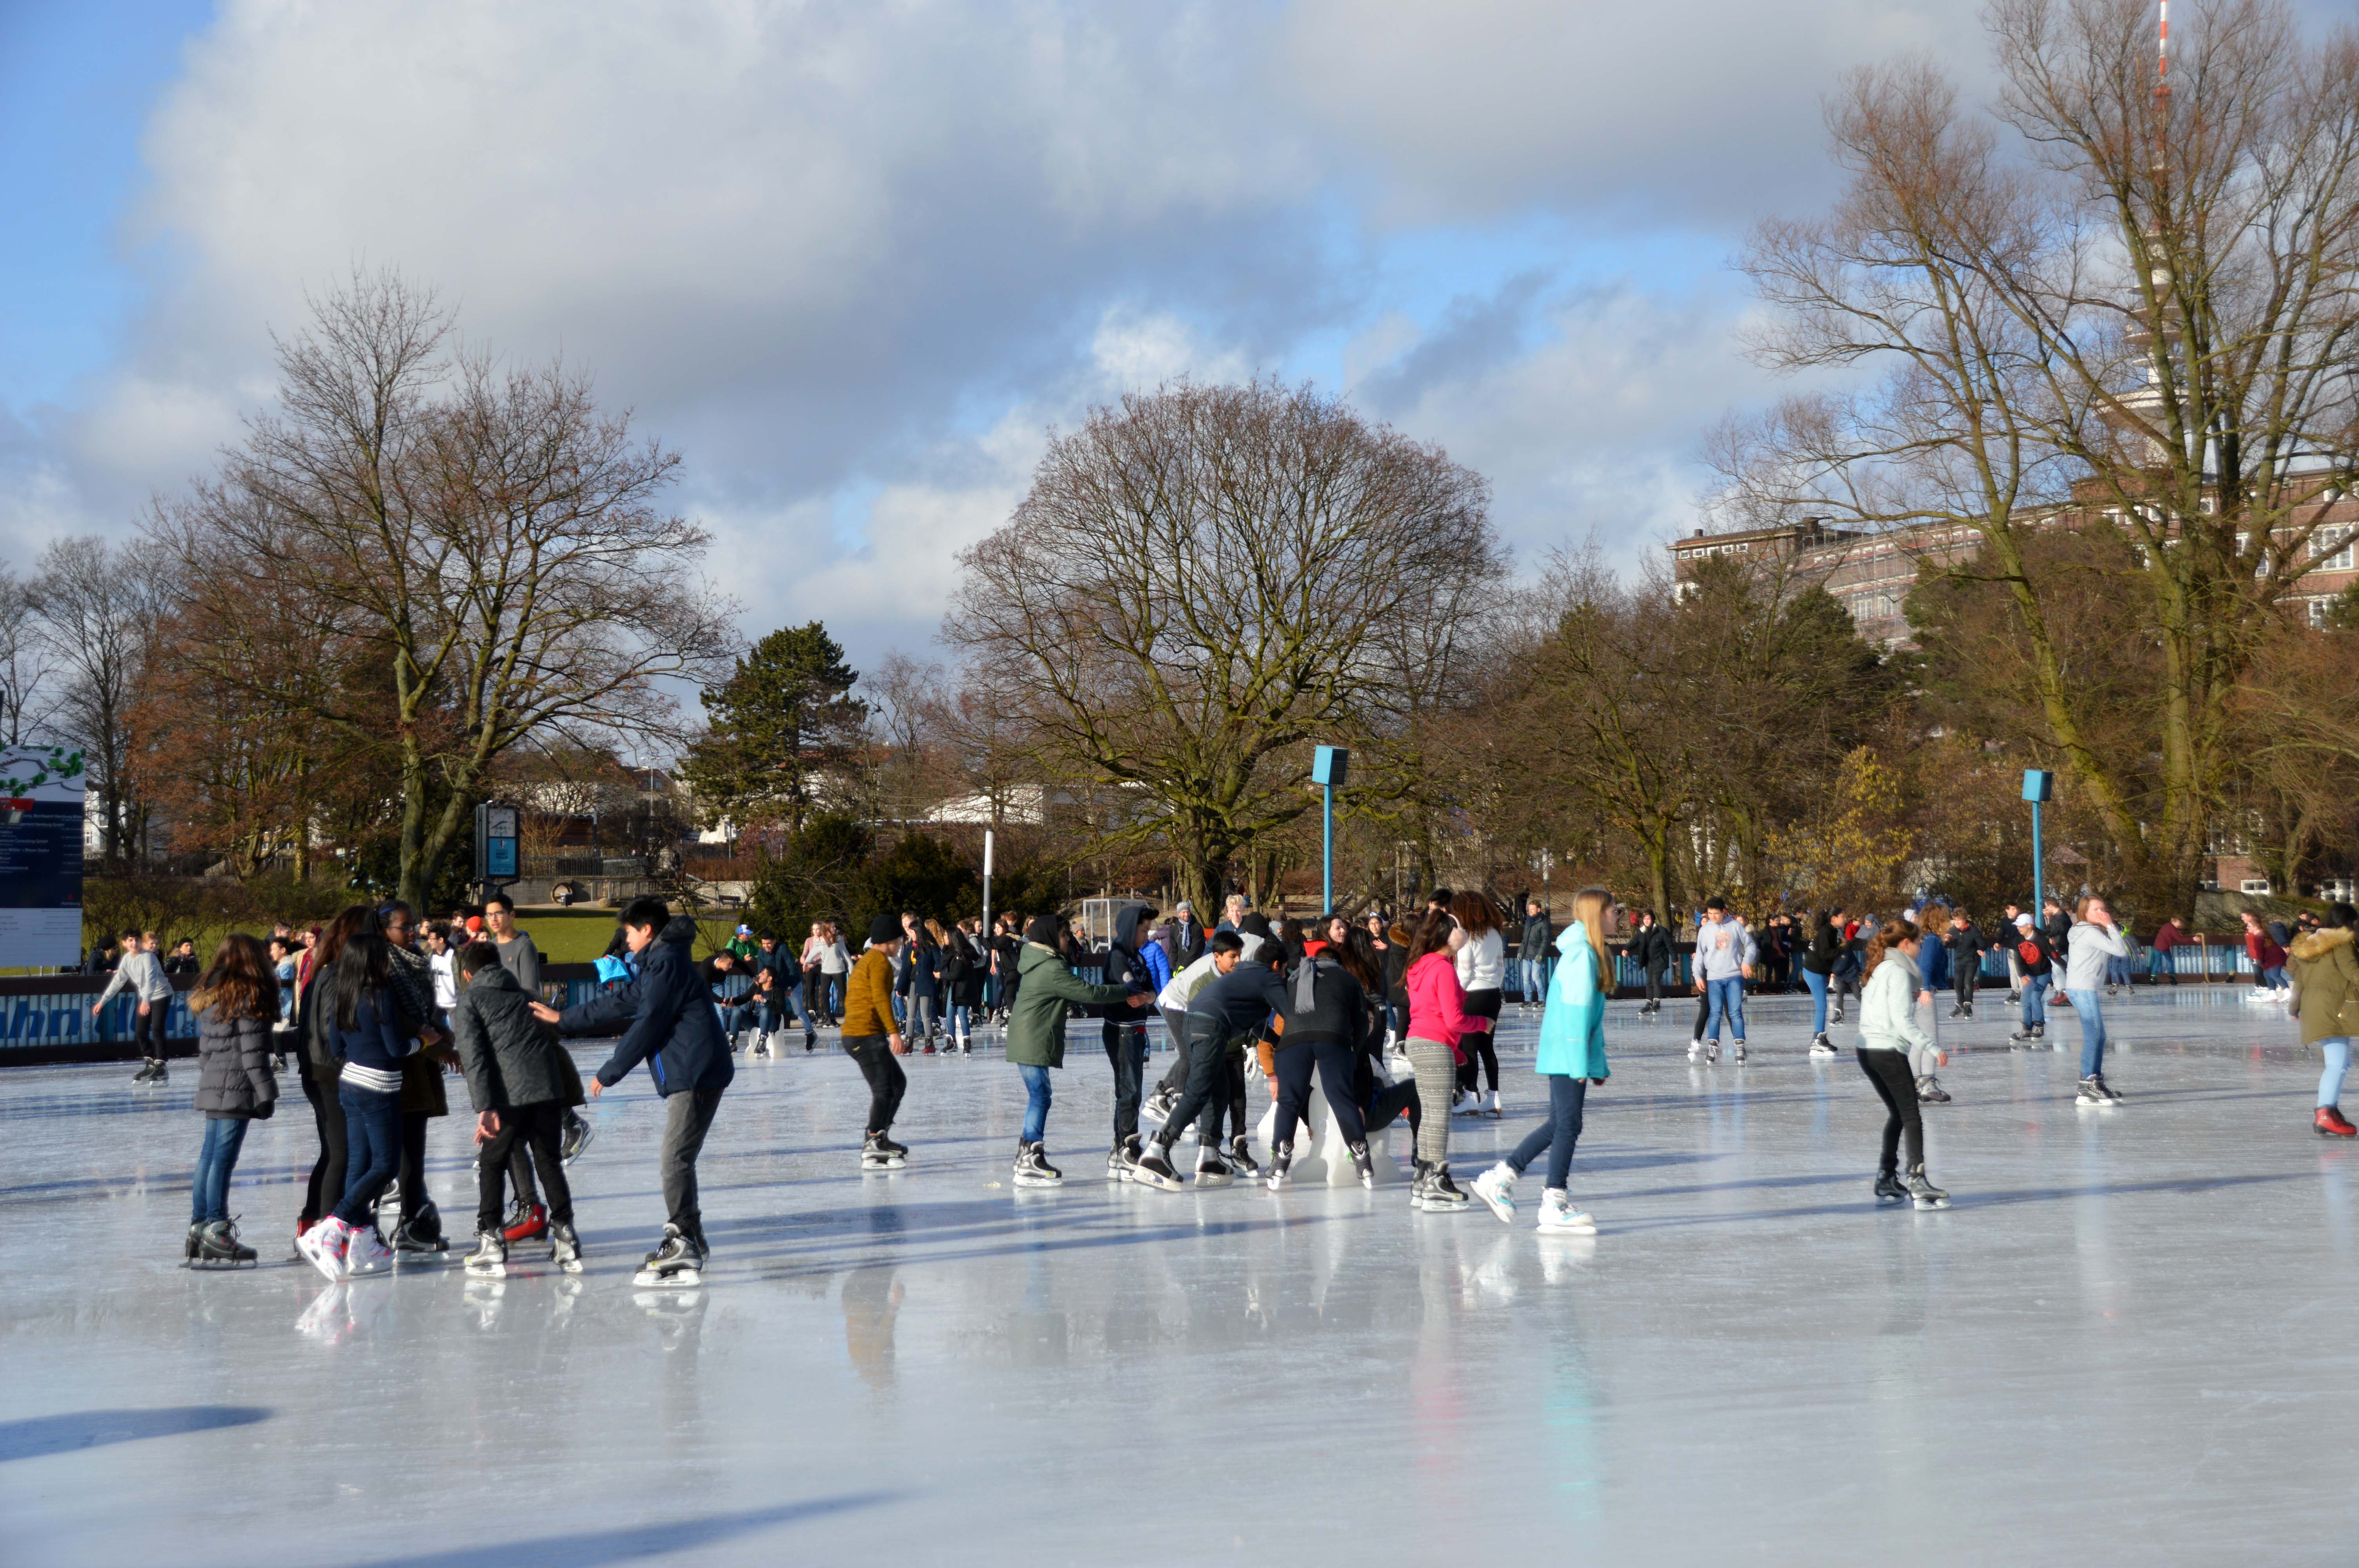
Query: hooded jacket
[[1537, 938], [1651, 949], [1046, 992], [1887, 1006], [1572, 1029], [1826, 947], [233, 1077], [2089, 947], [1134, 968], [509, 1057], [1437, 1002], [2325, 984], [1724, 951], [673, 1027]]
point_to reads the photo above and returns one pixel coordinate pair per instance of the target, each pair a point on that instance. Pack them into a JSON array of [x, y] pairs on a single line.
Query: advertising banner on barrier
[[40, 857]]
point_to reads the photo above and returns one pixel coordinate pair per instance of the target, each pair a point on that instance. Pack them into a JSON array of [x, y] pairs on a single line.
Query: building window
[[2331, 548]]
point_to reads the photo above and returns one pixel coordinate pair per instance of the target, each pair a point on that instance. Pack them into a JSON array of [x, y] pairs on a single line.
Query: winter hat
[[1044, 929], [883, 929]]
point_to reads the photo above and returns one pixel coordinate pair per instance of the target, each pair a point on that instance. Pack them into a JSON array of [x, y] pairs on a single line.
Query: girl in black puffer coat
[[234, 1004]]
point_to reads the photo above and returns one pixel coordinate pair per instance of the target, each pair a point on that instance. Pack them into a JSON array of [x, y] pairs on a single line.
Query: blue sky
[[854, 260]]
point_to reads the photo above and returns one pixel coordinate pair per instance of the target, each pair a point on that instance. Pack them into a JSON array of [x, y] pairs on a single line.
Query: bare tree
[[97, 607], [1202, 581], [2143, 308], [486, 536], [28, 693]]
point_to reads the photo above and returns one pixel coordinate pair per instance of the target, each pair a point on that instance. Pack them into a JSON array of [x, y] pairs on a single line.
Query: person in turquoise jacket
[[1572, 1057]]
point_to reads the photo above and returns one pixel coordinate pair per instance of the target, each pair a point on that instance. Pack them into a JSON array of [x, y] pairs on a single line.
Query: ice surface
[[2129, 1342]]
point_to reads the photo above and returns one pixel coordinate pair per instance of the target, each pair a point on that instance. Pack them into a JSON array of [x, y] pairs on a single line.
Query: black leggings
[[1896, 1081], [1338, 1064], [413, 1163], [887, 1082], [326, 1187], [147, 1029], [1482, 1056]]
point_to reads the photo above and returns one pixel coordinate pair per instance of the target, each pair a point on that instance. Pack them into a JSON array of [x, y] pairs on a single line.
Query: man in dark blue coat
[[674, 1030]]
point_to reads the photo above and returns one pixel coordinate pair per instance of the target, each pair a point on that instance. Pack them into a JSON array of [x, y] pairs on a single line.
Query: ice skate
[[1695, 1050], [881, 1154], [1157, 1106], [1837, 1015], [565, 1247], [1737, 1052], [525, 1221], [1211, 1170], [193, 1245], [1922, 1192], [1711, 1050], [1929, 1091], [219, 1244], [1821, 1046], [1362, 1162], [2030, 1037], [1557, 1215], [1155, 1170], [323, 1247], [1968, 1012], [1888, 1189], [1032, 1168], [2329, 1123], [1491, 1106], [1281, 1159], [1239, 1155], [1497, 1188], [577, 1136], [2092, 1090], [1957, 1009], [420, 1236], [147, 1070], [1122, 1160], [1464, 1102], [366, 1251], [490, 1258], [673, 1265], [1443, 1196]]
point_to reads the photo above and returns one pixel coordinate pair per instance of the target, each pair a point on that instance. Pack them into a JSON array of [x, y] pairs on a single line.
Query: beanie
[[883, 929], [1044, 929]]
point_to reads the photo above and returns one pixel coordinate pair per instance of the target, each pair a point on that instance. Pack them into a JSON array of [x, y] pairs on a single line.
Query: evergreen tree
[[784, 715]]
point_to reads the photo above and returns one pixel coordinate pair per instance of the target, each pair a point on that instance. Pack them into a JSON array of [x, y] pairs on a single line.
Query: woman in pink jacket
[[1436, 1017]]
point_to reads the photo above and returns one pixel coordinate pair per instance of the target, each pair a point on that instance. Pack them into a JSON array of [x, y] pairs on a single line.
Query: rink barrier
[[46, 1019]]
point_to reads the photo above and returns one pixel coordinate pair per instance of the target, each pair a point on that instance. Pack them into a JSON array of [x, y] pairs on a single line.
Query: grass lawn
[[580, 935]]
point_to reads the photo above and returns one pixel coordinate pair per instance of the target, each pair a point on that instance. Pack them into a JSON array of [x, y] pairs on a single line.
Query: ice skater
[[1045, 991], [2326, 999], [1481, 957], [367, 1035], [1437, 1018], [235, 1005], [1888, 1031], [676, 1032], [872, 1038], [1222, 1014], [2094, 940], [140, 971], [2035, 967], [1572, 1058], [517, 1085], [1724, 962], [1138, 966]]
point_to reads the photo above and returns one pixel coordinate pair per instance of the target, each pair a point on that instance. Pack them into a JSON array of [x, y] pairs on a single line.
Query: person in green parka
[[1572, 1057], [1046, 992]]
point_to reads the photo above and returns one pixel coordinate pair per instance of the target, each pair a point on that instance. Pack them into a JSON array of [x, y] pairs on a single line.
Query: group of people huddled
[[1390, 1019]]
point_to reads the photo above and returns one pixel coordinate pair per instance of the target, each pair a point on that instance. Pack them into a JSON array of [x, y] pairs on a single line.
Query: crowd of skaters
[[1389, 1018]]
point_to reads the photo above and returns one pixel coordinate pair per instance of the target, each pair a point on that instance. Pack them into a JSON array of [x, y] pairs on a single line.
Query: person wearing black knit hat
[[871, 1040]]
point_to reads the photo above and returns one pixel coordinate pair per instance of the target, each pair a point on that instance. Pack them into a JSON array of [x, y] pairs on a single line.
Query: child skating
[[1888, 1029]]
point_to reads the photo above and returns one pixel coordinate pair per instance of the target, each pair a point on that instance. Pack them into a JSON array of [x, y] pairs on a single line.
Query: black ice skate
[[1155, 1170], [1443, 1196], [1032, 1168], [490, 1258], [2030, 1034], [577, 1134], [1821, 1046], [1122, 1159], [674, 1263], [2094, 1090], [1240, 1158], [1211, 1170], [1888, 1189], [565, 1246], [1930, 1089], [1281, 1159], [881, 1154], [1365, 1166], [1922, 1192], [420, 1236]]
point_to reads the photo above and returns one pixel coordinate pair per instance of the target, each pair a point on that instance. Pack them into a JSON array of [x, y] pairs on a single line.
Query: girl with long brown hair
[[1482, 961], [236, 1003], [318, 1062]]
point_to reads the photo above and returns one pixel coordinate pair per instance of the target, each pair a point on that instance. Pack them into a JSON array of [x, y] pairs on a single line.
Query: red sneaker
[[534, 1223], [2330, 1123]]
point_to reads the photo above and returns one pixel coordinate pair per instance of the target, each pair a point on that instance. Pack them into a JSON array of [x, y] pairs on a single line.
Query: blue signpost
[[2037, 786], [1329, 767]]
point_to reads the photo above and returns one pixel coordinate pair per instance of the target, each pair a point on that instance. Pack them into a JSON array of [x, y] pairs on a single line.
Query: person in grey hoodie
[[2094, 938], [1724, 962], [141, 972]]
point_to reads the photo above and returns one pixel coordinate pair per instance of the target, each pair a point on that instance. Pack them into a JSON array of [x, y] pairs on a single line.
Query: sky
[[857, 259]]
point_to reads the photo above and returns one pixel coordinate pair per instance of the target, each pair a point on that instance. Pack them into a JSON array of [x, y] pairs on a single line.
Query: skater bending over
[[1572, 1057], [676, 1032], [235, 1005], [517, 1085], [1888, 1031]]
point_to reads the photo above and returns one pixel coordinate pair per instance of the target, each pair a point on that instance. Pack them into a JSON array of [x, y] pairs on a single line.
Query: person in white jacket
[[140, 971], [1888, 1031], [1482, 957], [2095, 939]]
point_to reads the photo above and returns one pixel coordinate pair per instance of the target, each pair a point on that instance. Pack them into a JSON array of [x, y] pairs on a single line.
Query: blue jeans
[[1036, 1114], [2035, 1000], [1818, 984], [1557, 1134], [2093, 1030], [2338, 1062], [2157, 962], [372, 1148], [2273, 978], [2118, 971], [1727, 999], [1534, 976], [224, 1136], [962, 1020]]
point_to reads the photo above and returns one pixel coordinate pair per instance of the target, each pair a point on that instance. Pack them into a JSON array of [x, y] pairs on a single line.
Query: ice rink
[[2129, 1341]]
